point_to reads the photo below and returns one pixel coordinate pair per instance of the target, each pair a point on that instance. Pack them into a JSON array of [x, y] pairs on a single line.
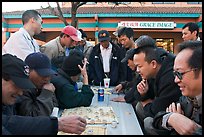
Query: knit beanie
[[70, 64]]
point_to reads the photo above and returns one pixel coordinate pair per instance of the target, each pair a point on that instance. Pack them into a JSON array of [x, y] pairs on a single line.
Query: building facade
[[162, 21]]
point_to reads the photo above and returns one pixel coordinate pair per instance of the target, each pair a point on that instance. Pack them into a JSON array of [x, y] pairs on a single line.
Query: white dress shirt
[[20, 44], [106, 53]]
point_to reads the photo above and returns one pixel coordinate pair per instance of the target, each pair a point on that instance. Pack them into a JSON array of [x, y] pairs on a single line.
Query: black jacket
[[187, 107], [165, 89], [26, 125], [96, 72]]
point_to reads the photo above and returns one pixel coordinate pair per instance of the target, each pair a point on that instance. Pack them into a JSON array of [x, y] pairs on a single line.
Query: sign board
[[148, 24]]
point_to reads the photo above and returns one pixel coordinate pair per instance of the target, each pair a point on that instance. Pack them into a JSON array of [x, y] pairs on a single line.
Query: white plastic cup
[[106, 82]]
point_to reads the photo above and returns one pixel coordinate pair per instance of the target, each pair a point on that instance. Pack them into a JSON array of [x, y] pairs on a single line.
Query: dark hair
[[189, 44], [28, 14], [150, 53], [145, 40], [6, 76], [195, 60], [126, 31], [192, 27]]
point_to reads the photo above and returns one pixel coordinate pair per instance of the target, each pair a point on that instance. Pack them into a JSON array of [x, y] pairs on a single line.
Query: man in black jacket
[[155, 63], [105, 61], [15, 78], [185, 116]]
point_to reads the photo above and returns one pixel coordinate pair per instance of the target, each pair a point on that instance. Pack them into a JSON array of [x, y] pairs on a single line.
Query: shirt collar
[[25, 33], [109, 47]]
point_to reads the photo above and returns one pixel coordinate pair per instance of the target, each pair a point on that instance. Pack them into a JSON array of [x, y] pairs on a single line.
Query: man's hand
[[118, 99], [182, 124], [49, 86], [143, 87], [72, 124], [118, 88]]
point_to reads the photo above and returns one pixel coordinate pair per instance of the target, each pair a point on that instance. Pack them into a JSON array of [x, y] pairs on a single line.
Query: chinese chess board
[[93, 115], [90, 130], [106, 90]]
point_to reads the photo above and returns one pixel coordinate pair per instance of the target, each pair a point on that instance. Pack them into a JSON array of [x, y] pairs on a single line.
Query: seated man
[[15, 79], [41, 100], [67, 95], [185, 116]]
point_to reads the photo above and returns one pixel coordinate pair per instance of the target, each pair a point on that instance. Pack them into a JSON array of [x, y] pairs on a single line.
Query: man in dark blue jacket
[[105, 61], [15, 78]]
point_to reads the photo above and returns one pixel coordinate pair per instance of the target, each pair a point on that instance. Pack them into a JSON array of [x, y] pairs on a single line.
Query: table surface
[[128, 122]]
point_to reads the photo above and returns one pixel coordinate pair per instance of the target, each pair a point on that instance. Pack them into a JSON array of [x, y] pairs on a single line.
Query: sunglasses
[[180, 74]]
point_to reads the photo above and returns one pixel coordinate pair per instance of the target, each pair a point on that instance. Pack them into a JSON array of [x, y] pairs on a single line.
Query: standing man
[[105, 61], [190, 31], [58, 48], [41, 100], [15, 78], [84, 46], [22, 43]]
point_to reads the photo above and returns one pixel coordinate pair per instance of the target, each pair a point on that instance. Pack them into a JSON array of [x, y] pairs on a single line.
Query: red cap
[[72, 32]]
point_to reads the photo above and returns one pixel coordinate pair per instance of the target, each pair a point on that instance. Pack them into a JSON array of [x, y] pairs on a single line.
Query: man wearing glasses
[[22, 43], [185, 116]]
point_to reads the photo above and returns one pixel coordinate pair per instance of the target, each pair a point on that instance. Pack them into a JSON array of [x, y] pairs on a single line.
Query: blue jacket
[[96, 72]]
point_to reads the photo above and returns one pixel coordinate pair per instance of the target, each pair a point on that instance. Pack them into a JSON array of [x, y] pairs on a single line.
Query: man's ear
[[154, 63]]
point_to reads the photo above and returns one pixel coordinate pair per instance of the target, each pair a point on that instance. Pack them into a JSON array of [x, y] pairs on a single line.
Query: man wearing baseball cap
[[56, 48], [41, 100], [14, 79], [105, 61]]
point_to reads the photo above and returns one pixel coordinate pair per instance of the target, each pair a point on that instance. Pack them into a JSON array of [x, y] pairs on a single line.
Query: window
[[163, 2], [194, 2], [166, 44]]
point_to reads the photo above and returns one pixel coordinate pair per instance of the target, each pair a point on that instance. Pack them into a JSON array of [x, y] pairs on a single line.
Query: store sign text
[[155, 25]]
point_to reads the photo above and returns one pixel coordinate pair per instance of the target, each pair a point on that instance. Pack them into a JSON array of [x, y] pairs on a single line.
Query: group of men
[[154, 81]]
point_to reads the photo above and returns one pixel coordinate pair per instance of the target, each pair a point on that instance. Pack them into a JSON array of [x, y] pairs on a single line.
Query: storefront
[[165, 27]]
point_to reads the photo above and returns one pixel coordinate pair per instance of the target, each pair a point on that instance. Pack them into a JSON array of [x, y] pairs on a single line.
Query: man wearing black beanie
[[68, 97]]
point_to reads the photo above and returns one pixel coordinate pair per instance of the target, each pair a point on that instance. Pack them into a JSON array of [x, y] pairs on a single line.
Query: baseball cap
[[103, 35], [17, 70], [72, 32], [117, 30], [40, 63], [129, 55]]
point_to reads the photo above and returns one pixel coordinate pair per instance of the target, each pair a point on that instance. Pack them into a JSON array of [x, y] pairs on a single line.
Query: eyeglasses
[[180, 74]]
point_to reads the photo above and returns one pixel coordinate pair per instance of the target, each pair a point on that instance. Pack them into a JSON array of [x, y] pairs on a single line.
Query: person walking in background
[[190, 31], [22, 43], [41, 100]]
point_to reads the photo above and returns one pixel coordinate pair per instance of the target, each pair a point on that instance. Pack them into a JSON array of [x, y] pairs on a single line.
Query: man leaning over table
[[14, 80], [41, 100], [65, 81]]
